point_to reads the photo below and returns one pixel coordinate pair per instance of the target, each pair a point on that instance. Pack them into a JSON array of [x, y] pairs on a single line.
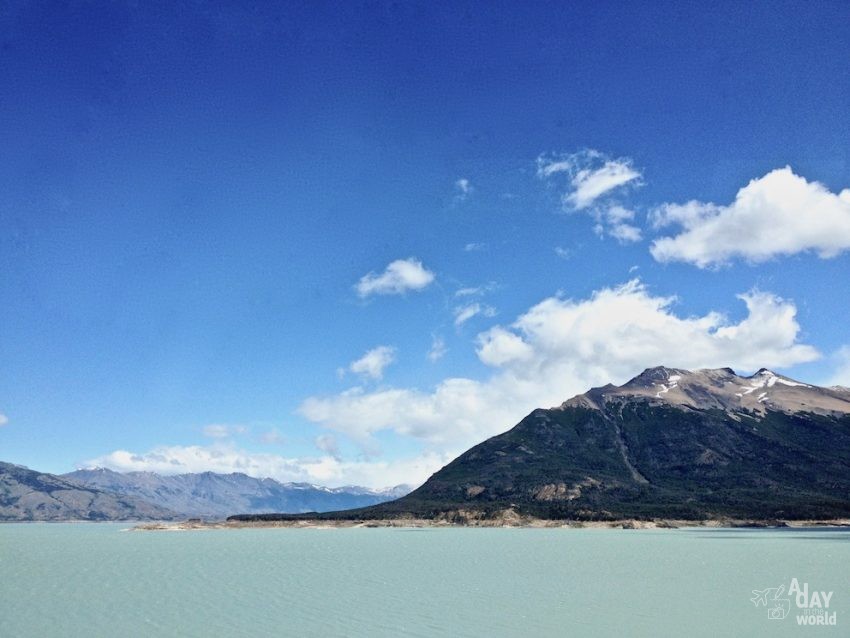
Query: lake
[[97, 580]]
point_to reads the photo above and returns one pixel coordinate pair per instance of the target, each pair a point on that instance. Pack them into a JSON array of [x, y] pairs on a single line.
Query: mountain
[[26, 495], [668, 444], [211, 495]]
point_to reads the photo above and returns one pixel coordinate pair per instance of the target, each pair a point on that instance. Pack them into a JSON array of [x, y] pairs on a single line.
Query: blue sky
[[341, 242]]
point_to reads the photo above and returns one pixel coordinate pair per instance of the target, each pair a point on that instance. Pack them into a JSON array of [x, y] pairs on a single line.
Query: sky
[[343, 242]]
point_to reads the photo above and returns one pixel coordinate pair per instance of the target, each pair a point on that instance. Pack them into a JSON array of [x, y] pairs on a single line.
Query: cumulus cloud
[[468, 311], [778, 214], [398, 277], [561, 347], [324, 470], [590, 174], [372, 363]]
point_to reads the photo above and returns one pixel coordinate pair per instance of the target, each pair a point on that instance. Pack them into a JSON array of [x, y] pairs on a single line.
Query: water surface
[[68, 580]]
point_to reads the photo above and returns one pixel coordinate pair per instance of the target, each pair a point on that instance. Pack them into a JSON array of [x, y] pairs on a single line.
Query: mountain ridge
[[216, 495], [29, 495], [669, 443], [100, 494]]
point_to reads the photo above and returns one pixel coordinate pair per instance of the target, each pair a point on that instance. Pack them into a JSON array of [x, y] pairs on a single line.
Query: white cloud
[[563, 253], [3, 420], [398, 277], [438, 349], [592, 178], [778, 214], [560, 348], [372, 363], [226, 458], [467, 312], [463, 189], [591, 175], [498, 347], [474, 246], [221, 430]]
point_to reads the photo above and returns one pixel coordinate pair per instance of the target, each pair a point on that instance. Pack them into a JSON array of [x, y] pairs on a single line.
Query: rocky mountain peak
[[652, 376], [719, 388]]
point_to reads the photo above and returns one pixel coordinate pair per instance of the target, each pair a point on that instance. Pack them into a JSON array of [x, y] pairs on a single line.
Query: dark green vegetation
[[26, 495], [642, 459]]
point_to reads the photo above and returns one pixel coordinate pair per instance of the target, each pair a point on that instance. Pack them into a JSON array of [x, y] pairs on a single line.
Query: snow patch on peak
[[763, 380], [672, 382]]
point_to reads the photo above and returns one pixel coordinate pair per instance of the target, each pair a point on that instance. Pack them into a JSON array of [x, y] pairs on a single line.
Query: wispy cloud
[[468, 311], [841, 372], [475, 247], [373, 363], [618, 220], [3, 420], [474, 291], [463, 189], [222, 430], [592, 178], [328, 444], [438, 349], [272, 437], [399, 276], [778, 214], [590, 175]]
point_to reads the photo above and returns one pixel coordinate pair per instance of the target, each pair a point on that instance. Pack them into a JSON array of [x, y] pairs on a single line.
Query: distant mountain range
[[26, 495], [212, 495], [676, 444], [101, 495]]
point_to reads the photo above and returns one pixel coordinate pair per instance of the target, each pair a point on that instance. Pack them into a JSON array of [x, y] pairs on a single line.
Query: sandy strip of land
[[192, 525]]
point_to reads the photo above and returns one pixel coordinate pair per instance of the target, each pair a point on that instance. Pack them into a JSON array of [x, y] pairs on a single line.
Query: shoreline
[[416, 523]]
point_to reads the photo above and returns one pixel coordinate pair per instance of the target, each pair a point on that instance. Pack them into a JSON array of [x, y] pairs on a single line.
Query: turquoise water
[[96, 580]]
